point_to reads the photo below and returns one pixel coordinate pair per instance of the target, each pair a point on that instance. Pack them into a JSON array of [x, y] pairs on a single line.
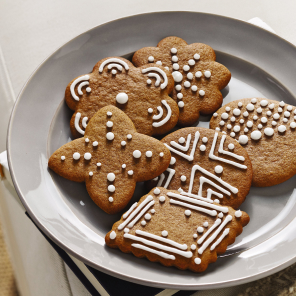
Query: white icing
[[218, 241], [187, 84], [193, 247], [76, 155], [289, 108], [87, 156], [151, 59], [83, 122], [206, 224], [230, 146], [119, 67], [156, 69], [72, 87], [202, 148], [260, 126], [255, 117], [111, 177], [161, 254], [130, 172], [227, 109], [63, 157], [280, 110], [218, 169], [156, 191], [220, 215], [256, 135], [238, 213], [179, 96], [113, 71], [143, 223], [194, 235], [149, 81], [229, 126], [191, 62], [246, 129], [268, 113], [264, 103], [241, 121], [80, 86], [110, 136], [129, 136], [109, 124], [254, 101], [287, 114], [215, 225], [139, 216], [268, 131], [186, 68], [246, 113], [292, 125], [173, 160], [109, 113], [263, 119], [175, 58], [99, 164], [113, 235], [271, 106], [76, 123], [273, 123], [123, 166], [162, 198], [232, 134], [111, 188], [171, 174], [224, 116], [181, 104], [282, 128], [282, 103], [110, 199], [152, 211], [215, 114], [198, 74], [249, 124], [236, 128], [86, 140], [240, 104], [161, 154], [187, 213], [148, 153], [137, 154], [168, 116], [285, 120], [207, 74], [113, 60], [243, 139], [123, 143], [121, 98], [259, 110], [129, 211], [174, 50], [250, 107], [181, 140], [194, 88], [147, 216], [197, 261], [236, 112], [205, 140], [159, 63], [196, 56], [190, 76], [164, 233], [178, 87], [201, 92], [183, 178]]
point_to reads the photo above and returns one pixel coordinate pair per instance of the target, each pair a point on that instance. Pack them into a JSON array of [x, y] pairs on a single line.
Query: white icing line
[[165, 78], [209, 212], [84, 120], [82, 84], [162, 239], [158, 246], [142, 204], [216, 224], [211, 192], [110, 66], [188, 157], [199, 202], [183, 148], [196, 196], [157, 82], [160, 110], [130, 210], [197, 167], [203, 180], [151, 203], [172, 173], [76, 123], [212, 156], [221, 150], [162, 176], [218, 241], [113, 60], [72, 87], [166, 119], [161, 254], [208, 241]]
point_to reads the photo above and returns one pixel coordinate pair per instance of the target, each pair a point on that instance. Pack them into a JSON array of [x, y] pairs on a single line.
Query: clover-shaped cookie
[[207, 165], [110, 159], [198, 78], [176, 230], [267, 131], [142, 93]]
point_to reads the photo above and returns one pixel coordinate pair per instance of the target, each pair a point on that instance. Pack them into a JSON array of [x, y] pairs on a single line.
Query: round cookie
[[142, 93], [207, 165], [198, 78], [267, 131]]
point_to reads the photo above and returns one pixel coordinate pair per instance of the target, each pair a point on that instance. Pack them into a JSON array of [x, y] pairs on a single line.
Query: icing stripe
[[211, 192], [196, 196], [162, 176], [221, 150], [215, 225], [183, 148], [151, 203], [165, 78], [157, 82], [166, 119], [172, 173], [203, 180], [160, 110], [84, 120], [187, 254], [162, 239], [72, 87], [208, 241], [188, 157], [110, 66], [210, 212], [76, 123], [113, 60], [82, 84], [130, 210], [219, 240], [199, 202], [133, 214], [159, 253]]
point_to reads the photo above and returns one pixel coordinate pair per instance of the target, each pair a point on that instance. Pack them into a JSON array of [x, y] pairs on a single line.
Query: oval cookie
[[266, 129]]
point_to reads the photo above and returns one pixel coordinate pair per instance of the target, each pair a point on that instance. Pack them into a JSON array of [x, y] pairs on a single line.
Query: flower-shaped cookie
[[110, 159], [142, 93], [176, 230], [198, 78]]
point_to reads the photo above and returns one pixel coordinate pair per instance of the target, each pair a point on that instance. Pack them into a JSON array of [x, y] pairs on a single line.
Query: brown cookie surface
[[266, 129], [198, 78], [206, 164], [142, 93], [110, 159], [167, 227]]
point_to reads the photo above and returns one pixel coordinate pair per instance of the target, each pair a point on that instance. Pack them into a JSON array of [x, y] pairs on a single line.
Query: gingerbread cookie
[[110, 159], [142, 93], [267, 131], [198, 78], [206, 165], [176, 230]]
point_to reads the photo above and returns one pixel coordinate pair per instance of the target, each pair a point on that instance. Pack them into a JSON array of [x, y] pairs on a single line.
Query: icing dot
[[292, 125], [123, 166], [220, 215], [246, 130], [218, 169], [224, 116], [86, 140], [122, 98], [223, 132], [216, 201], [149, 81], [161, 198], [181, 140], [111, 188], [147, 217], [159, 63], [260, 126], [87, 156], [137, 154], [173, 160], [268, 113], [287, 114], [194, 235], [243, 139], [259, 110], [263, 119], [131, 172], [175, 58], [240, 104], [110, 136], [193, 247], [151, 59], [150, 110], [196, 56], [201, 92], [254, 101], [152, 211], [143, 223], [167, 68], [236, 112], [111, 177], [194, 88], [271, 106], [126, 230], [148, 153], [281, 128], [198, 74], [63, 157], [187, 213], [276, 116], [174, 50], [268, 131], [95, 143], [181, 104], [197, 261], [156, 191], [207, 74], [249, 124], [177, 76], [274, 123], [129, 136], [200, 229], [250, 107], [187, 84], [217, 129], [227, 109], [232, 134], [164, 233], [236, 128], [230, 146], [289, 108], [178, 87], [113, 235], [255, 117], [282, 104], [238, 213], [99, 164], [109, 123], [76, 155], [246, 113], [186, 68], [109, 113], [176, 66], [191, 62], [263, 103], [241, 121], [110, 199], [202, 148], [88, 89], [285, 120], [113, 71], [221, 122], [229, 126], [189, 76], [123, 143], [204, 139], [280, 110], [183, 178], [215, 114], [161, 154], [206, 224], [179, 96], [256, 135]]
